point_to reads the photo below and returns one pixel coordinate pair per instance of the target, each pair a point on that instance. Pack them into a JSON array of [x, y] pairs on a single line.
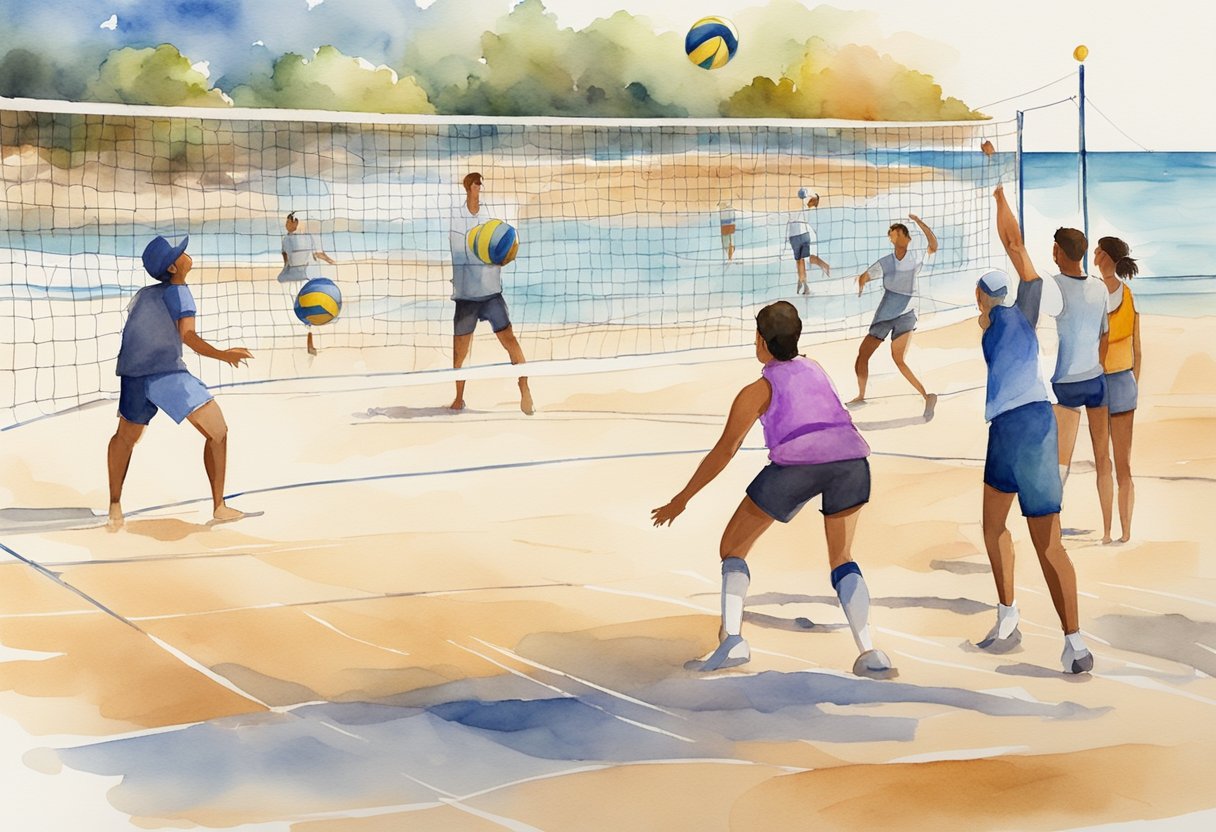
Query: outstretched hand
[[666, 514], [235, 356], [862, 280]]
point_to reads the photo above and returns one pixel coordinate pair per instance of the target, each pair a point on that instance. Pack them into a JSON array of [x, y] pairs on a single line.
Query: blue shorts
[[801, 244], [1088, 393], [896, 327], [469, 312], [1023, 458], [780, 491], [178, 393], [1122, 392]]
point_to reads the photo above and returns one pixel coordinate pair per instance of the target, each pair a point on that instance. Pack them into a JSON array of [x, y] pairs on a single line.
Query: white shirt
[[799, 224], [299, 248], [899, 275]]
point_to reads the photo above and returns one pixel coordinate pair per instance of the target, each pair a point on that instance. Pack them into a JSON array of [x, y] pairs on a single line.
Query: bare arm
[[927, 231], [1103, 346], [185, 328], [1136, 348], [284, 257], [751, 402], [320, 255], [1011, 237]]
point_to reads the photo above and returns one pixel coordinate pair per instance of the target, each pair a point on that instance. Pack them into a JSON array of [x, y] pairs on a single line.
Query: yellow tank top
[[1119, 353]]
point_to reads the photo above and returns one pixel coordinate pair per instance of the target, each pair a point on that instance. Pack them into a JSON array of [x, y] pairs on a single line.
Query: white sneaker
[[874, 664], [732, 652], [1076, 661]]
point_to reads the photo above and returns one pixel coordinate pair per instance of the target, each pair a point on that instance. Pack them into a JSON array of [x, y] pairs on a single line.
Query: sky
[[1145, 59]]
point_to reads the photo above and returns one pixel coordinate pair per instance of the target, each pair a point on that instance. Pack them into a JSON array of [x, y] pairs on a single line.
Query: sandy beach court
[[466, 621]]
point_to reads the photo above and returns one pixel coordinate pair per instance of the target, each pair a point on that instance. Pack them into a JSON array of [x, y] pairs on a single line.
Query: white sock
[[1063, 475], [735, 580], [1007, 618], [1075, 641], [855, 601]]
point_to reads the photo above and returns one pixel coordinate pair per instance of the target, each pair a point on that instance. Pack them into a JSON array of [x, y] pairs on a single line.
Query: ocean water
[[662, 268]]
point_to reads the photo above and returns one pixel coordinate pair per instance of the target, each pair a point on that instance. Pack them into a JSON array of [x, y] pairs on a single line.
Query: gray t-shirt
[[471, 278], [1080, 322], [151, 342], [898, 281]]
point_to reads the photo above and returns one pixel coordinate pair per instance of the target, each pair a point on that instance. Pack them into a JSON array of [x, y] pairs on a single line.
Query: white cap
[[996, 283]]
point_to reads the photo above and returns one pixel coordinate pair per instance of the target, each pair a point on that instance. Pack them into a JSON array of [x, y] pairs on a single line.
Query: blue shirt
[[1011, 351], [151, 342]]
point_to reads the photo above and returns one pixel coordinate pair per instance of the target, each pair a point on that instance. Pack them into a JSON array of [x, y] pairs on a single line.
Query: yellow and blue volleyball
[[318, 301], [711, 42], [494, 243]]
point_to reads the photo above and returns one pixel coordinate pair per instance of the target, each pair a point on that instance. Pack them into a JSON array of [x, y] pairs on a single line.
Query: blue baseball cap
[[160, 254], [996, 284]]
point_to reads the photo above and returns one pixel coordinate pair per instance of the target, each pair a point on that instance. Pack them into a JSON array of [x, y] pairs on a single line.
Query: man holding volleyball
[[477, 291], [299, 250]]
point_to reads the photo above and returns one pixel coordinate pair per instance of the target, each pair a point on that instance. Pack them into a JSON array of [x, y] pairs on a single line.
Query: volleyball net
[[620, 225]]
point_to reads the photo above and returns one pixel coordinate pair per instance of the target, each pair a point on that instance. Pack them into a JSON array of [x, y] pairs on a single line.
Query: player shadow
[[890, 424], [403, 412], [1034, 671], [790, 625], [17, 520], [165, 529], [960, 606], [960, 567]]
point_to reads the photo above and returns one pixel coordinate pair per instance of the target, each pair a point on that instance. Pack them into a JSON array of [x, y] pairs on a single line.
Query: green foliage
[[160, 76]]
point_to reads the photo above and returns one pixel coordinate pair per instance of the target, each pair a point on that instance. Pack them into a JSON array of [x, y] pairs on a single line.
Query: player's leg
[[861, 366], [209, 421], [308, 344], [496, 314], [1061, 579], [461, 345], [118, 461], [998, 543], [1099, 437], [801, 264], [1068, 421], [899, 351], [742, 531], [1121, 438]]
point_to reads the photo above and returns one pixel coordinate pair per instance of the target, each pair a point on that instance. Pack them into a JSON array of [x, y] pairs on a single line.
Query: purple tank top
[[806, 423]]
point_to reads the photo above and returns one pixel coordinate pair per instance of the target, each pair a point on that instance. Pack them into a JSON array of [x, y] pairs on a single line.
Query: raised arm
[[927, 231], [234, 356], [1011, 237], [751, 402]]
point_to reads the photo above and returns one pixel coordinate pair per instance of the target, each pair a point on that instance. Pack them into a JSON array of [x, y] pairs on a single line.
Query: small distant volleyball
[[711, 42], [1081, 52], [494, 243], [318, 301]]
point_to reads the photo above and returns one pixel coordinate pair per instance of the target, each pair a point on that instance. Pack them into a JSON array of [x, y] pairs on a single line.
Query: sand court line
[[567, 695], [449, 799], [329, 626], [625, 697]]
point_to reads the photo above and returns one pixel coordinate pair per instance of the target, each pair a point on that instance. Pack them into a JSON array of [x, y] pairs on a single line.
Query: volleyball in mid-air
[[494, 242], [318, 302], [1081, 52], [711, 42]]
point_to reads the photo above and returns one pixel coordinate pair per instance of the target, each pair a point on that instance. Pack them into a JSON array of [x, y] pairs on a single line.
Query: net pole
[[1084, 167], [1021, 176]]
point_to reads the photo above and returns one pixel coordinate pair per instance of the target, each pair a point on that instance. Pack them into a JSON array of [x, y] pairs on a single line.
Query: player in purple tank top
[[814, 449]]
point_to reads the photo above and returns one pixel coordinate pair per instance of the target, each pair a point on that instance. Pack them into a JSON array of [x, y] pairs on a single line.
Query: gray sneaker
[[992, 643], [874, 664], [732, 652], [1077, 661]]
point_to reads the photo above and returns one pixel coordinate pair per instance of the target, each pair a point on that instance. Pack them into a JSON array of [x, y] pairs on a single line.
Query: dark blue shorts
[[469, 312], [1088, 393], [780, 491], [178, 393], [801, 245], [1023, 458]]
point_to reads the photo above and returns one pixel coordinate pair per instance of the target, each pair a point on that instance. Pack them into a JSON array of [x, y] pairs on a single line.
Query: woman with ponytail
[[1122, 366]]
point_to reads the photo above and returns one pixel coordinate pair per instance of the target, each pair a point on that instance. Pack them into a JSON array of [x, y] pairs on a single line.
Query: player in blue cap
[[159, 320]]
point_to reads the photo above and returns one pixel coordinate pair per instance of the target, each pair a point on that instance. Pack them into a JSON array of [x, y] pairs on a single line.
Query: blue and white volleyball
[[318, 302], [803, 193], [711, 42]]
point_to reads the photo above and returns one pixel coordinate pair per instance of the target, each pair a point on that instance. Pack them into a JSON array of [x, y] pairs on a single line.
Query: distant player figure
[[477, 291], [895, 315], [814, 449], [160, 319], [1021, 461], [299, 250], [1078, 303], [726, 219], [803, 239], [1122, 368]]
